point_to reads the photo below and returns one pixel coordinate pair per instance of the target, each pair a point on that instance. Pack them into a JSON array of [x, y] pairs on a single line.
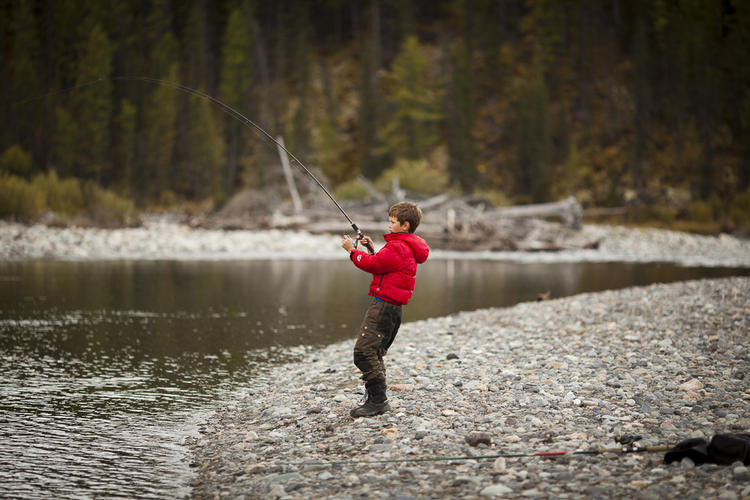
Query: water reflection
[[106, 366]]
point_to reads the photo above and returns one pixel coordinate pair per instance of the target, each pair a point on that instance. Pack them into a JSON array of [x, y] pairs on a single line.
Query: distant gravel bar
[[667, 362], [162, 239]]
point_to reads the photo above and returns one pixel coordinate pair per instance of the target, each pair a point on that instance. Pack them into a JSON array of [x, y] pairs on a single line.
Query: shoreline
[[164, 240], [667, 362]]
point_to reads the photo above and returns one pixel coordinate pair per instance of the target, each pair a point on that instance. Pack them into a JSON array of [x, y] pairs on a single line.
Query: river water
[[105, 367]]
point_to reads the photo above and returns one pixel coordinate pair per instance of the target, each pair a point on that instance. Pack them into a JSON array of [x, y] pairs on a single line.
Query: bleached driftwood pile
[[468, 223]]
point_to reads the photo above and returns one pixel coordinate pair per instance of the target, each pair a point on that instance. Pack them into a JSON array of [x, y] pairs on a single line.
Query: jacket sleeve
[[384, 261]]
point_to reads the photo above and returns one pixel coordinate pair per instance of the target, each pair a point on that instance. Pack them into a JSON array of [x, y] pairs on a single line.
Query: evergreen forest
[[641, 104]]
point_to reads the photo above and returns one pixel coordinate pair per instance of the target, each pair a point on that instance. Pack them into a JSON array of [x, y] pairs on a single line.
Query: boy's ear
[[408, 225]]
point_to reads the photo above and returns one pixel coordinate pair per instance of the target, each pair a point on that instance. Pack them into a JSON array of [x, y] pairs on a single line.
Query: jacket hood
[[417, 244]]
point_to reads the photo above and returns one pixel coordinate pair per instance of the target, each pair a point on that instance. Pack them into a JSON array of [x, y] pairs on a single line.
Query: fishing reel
[[629, 442], [355, 242]]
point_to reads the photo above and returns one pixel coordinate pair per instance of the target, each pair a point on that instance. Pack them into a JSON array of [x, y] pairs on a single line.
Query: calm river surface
[[105, 367]]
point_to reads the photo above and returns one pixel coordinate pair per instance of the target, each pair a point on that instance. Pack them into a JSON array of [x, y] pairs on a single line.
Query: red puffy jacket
[[394, 267]]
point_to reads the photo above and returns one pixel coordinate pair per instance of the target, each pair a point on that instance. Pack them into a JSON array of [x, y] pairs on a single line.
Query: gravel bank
[[667, 362], [164, 240]]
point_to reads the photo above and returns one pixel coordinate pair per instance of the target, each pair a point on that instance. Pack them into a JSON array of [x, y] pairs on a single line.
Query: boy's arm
[[384, 261]]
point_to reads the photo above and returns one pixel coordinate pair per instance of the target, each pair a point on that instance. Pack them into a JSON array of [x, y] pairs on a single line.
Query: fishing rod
[[628, 444], [238, 116]]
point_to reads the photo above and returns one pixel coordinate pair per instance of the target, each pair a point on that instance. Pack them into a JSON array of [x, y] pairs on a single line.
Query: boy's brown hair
[[406, 211]]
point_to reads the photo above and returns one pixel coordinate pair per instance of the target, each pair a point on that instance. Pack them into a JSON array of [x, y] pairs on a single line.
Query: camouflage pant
[[376, 335]]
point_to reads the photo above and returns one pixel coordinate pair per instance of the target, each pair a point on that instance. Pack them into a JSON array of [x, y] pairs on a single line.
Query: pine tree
[[91, 106], [534, 136], [460, 100], [643, 101], [200, 157], [411, 131], [369, 96], [65, 143], [156, 174], [124, 153], [236, 86], [23, 67], [155, 165], [199, 146], [461, 106]]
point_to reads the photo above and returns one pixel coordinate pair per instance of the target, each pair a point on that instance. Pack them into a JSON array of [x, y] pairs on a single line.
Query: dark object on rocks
[[452, 356], [724, 449], [543, 296], [477, 438]]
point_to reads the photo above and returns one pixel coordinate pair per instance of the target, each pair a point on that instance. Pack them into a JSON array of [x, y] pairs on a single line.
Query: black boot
[[376, 402]]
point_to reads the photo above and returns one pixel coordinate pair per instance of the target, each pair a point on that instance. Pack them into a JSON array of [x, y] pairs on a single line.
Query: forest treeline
[[636, 103]]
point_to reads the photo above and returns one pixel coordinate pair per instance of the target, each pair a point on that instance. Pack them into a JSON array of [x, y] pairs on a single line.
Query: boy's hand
[[367, 242], [347, 244]]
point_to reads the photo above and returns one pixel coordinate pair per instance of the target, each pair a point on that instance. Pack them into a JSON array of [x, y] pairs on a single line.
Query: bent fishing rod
[[237, 116], [628, 444]]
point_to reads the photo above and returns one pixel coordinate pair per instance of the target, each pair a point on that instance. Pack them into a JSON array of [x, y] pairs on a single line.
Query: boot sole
[[355, 414]]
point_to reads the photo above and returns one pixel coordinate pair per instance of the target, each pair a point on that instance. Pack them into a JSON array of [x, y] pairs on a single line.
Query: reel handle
[[361, 236]]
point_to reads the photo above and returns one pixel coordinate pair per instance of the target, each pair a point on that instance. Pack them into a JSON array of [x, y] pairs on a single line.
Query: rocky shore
[[163, 239], [666, 362]]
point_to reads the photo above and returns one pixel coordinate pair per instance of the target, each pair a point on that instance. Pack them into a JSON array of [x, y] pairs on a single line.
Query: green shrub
[[496, 197], [701, 211], [63, 196], [350, 190], [18, 199], [15, 161], [739, 212], [658, 215], [106, 208], [416, 176]]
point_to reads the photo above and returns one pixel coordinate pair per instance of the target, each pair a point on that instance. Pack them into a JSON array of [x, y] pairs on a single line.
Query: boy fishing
[[394, 272]]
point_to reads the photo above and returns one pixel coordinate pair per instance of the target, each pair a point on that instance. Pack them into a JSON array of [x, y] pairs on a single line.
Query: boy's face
[[395, 226]]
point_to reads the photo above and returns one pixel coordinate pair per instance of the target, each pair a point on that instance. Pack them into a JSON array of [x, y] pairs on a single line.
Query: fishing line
[[231, 112], [60, 91]]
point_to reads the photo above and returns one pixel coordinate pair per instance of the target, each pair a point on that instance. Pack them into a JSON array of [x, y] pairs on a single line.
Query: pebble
[[741, 473], [496, 490], [500, 465], [567, 349], [477, 438]]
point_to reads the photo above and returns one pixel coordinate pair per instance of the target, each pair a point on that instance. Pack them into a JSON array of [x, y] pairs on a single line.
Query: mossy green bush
[[106, 208], [739, 212], [15, 161], [416, 176], [656, 215], [18, 199], [66, 198], [496, 197], [701, 211], [350, 190], [63, 196]]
